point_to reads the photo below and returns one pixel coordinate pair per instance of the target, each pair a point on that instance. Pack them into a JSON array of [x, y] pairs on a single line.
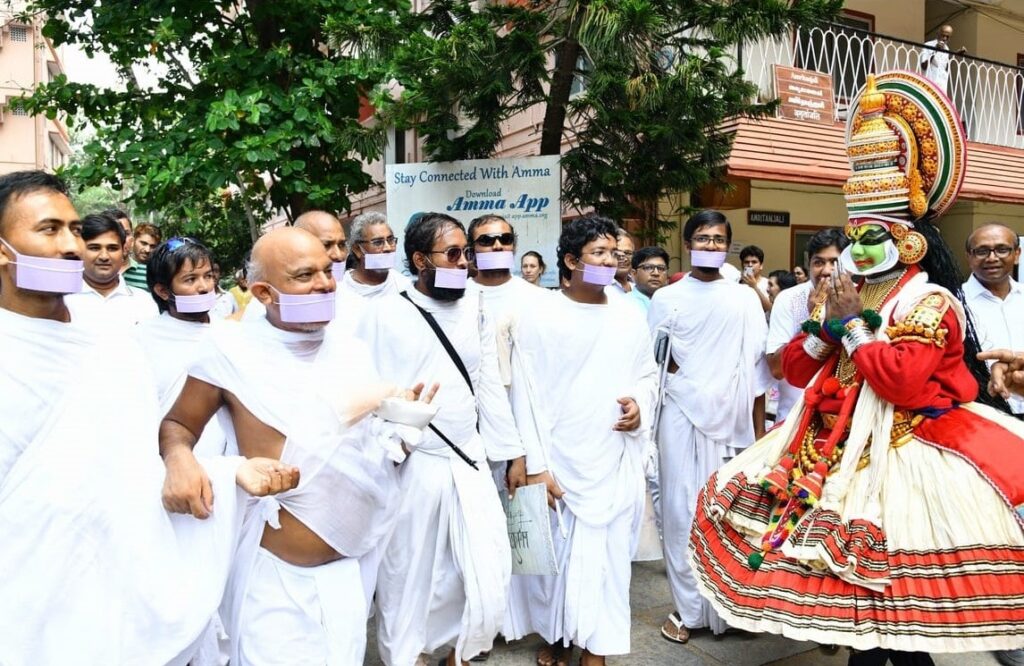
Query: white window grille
[[19, 33]]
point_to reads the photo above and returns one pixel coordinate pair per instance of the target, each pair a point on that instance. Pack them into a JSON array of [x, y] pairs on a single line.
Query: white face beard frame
[[892, 257]]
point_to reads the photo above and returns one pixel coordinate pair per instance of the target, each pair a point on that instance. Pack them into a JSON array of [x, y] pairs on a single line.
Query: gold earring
[[912, 248]]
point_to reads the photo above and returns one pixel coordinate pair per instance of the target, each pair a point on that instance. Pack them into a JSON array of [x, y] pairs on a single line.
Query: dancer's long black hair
[[943, 270]]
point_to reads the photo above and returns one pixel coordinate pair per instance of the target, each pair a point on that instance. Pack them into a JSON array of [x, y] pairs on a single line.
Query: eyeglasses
[[1001, 251], [488, 240], [620, 254], [709, 240], [379, 243], [176, 242], [652, 268], [453, 254]]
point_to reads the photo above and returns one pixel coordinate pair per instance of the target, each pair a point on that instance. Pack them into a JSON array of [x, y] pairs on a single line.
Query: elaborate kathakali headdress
[[907, 150]]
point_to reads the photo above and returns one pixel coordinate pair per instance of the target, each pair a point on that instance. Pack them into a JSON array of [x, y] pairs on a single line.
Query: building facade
[[27, 59], [785, 174]]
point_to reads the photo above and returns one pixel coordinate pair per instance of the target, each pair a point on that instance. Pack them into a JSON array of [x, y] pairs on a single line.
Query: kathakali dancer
[[887, 511]]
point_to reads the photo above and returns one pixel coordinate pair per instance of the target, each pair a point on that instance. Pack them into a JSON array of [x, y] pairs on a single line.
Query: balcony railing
[[988, 95]]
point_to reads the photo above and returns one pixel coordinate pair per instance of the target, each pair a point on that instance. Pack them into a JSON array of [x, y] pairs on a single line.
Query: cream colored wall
[[903, 19], [808, 205], [25, 141], [18, 134]]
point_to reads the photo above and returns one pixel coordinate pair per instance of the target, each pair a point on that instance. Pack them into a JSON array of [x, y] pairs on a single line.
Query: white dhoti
[[588, 603], [687, 459], [444, 573], [294, 616], [717, 337]]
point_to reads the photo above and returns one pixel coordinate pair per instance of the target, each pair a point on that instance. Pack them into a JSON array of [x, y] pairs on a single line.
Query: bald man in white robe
[[297, 593]]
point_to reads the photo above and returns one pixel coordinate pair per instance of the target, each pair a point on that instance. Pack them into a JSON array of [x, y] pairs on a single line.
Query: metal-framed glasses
[[1001, 251], [653, 268], [452, 254], [709, 240], [380, 243]]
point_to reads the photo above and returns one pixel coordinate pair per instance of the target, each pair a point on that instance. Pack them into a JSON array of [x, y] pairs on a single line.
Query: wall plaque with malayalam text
[[768, 218], [804, 95]]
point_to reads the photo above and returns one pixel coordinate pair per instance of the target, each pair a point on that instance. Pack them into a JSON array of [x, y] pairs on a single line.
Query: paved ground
[[651, 603]]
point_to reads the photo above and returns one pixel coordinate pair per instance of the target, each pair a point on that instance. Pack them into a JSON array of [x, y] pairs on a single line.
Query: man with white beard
[[713, 403], [95, 570], [445, 572], [585, 381], [297, 593]]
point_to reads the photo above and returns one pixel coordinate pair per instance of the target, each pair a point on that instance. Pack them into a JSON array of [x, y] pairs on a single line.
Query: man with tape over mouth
[[445, 572], [101, 573], [373, 252], [584, 385], [713, 397], [302, 580]]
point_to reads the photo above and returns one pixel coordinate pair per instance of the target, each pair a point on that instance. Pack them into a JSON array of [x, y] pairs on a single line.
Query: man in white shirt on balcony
[[995, 299], [935, 58], [106, 301]]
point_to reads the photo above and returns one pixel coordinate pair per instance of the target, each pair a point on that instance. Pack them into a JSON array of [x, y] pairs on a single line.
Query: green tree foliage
[[246, 93], [657, 78]]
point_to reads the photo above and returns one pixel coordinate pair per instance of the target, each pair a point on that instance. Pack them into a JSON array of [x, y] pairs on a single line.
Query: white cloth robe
[[309, 391], [505, 304], [172, 345], [572, 362], [445, 572], [96, 572], [718, 335], [935, 62], [353, 296]]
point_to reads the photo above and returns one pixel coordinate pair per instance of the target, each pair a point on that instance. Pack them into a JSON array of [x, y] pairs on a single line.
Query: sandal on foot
[[679, 633], [554, 655]]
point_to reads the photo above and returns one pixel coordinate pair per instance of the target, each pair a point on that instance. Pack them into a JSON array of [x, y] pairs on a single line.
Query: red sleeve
[[906, 372], [798, 368]]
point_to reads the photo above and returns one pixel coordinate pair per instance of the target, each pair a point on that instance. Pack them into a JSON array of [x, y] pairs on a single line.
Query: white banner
[[526, 191]]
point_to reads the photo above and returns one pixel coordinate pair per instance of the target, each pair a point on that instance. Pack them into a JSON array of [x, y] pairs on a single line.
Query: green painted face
[[868, 248]]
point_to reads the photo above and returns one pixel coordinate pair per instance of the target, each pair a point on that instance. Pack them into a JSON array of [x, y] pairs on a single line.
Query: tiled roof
[[797, 151]]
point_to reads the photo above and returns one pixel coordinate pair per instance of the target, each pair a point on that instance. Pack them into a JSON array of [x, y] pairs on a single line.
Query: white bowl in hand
[[407, 412]]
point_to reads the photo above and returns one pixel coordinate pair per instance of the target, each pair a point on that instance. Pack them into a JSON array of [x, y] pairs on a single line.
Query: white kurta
[[172, 345], [96, 572], [572, 362], [445, 572], [788, 312], [505, 305], [309, 391], [717, 339]]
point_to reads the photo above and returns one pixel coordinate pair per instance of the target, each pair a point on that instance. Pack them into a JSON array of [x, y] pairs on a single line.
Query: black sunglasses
[[488, 240]]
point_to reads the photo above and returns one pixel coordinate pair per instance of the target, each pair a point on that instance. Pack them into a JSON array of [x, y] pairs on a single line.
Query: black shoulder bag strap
[[445, 342]]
